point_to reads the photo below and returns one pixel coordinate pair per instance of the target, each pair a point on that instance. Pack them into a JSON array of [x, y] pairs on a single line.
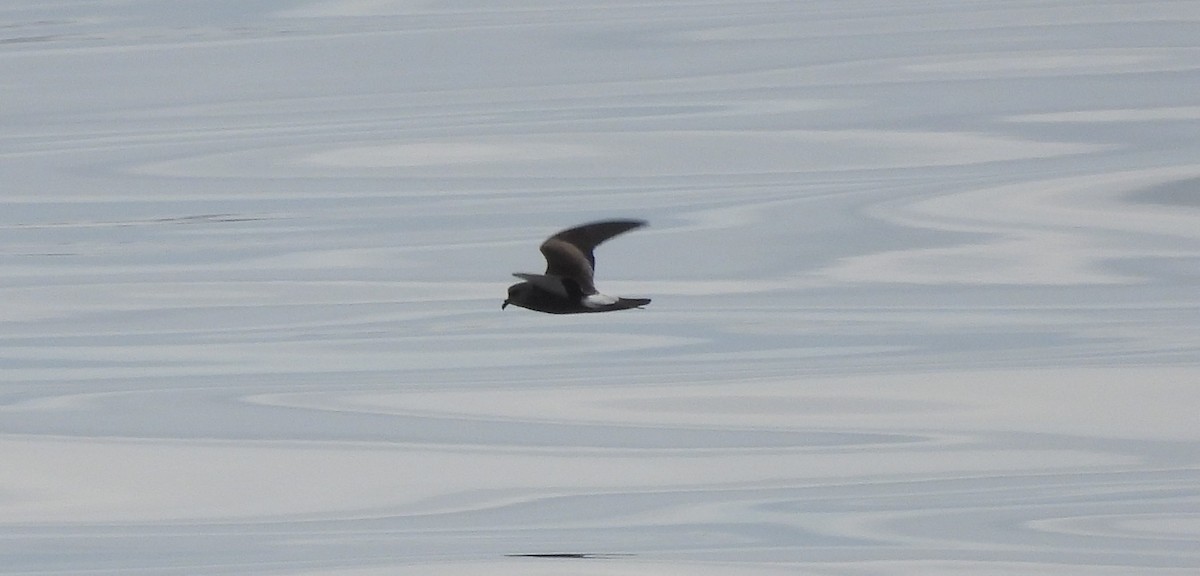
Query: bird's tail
[[623, 303]]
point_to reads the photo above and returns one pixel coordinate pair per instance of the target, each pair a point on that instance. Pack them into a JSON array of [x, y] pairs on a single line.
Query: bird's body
[[567, 286]]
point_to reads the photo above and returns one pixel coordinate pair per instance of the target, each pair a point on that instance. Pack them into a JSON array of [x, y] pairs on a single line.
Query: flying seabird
[[567, 286]]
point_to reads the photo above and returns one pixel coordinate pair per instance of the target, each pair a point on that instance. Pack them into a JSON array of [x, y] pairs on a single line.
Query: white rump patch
[[598, 300]]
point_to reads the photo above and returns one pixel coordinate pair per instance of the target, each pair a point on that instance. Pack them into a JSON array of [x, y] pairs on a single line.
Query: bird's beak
[[504, 305]]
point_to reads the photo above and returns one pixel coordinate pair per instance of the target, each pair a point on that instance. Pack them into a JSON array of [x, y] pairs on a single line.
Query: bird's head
[[516, 294]]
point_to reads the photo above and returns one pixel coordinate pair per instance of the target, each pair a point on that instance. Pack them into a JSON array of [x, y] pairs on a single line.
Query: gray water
[[924, 278]]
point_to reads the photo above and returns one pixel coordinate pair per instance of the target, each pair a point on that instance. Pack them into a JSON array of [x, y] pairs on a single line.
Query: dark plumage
[[568, 285]]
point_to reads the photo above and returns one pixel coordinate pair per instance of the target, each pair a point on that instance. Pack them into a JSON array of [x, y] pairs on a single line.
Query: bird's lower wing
[[547, 283]]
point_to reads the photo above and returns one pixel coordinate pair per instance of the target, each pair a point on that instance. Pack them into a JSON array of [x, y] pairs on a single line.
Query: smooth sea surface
[[925, 281]]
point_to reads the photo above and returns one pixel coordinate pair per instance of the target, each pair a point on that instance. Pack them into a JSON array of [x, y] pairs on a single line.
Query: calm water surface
[[924, 278]]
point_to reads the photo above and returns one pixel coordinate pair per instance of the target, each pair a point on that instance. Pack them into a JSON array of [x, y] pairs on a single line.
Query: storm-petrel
[[567, 286]]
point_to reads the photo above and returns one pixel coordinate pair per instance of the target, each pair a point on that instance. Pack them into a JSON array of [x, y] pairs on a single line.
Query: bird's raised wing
[[569, 253]]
